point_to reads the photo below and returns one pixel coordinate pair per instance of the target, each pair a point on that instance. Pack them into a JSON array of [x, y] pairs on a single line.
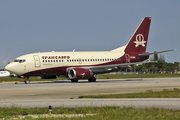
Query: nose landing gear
[[27, 81]]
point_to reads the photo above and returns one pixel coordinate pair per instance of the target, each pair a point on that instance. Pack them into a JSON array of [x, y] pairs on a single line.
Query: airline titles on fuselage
[[55, 57]]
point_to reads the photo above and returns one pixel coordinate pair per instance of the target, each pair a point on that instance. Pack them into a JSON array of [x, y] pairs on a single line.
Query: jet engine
[[79, 73]]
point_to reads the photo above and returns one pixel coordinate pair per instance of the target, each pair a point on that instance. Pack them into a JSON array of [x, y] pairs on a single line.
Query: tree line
[[159, 66]]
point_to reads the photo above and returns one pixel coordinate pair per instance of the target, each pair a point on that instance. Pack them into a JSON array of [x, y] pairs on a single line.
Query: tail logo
[[139, 40]]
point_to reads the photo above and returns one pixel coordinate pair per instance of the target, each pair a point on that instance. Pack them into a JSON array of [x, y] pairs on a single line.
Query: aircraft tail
[[138, 41]]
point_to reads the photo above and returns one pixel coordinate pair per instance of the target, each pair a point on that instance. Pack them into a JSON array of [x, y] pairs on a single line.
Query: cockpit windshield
[[20, 61]]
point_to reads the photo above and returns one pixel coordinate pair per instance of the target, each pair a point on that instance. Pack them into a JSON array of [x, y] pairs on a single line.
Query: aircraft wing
[[146, 54], [114, 66]]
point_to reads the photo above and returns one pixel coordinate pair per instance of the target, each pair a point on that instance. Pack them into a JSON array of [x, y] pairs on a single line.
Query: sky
[[30, 26]]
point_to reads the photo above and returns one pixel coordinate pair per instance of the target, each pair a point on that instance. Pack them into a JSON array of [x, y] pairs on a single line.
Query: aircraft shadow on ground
[[84, 81], [119, 80]]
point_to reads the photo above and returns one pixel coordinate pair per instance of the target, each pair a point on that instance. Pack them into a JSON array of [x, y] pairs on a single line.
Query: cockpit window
[[16, 60], [20, 61]]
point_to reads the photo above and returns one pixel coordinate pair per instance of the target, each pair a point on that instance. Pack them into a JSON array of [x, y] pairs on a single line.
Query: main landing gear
[[92, 79]]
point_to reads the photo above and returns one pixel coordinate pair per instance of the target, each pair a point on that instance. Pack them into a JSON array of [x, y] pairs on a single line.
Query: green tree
[[143, 68], [155, 56], [162, 59], [152, 67]]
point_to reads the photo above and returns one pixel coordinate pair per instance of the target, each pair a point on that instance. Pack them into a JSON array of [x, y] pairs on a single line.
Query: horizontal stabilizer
[[147, 54]]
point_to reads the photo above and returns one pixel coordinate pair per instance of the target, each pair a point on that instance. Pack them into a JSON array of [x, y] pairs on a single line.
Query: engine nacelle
[[48, 77], [79, 73]]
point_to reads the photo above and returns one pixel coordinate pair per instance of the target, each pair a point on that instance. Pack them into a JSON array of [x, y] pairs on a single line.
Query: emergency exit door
[[37, 61]]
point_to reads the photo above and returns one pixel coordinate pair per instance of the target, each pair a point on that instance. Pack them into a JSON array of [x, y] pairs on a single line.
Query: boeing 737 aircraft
[[84, 65]]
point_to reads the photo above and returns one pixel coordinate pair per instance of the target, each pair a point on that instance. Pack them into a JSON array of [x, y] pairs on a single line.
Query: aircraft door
[[127, 58], [37, 61]]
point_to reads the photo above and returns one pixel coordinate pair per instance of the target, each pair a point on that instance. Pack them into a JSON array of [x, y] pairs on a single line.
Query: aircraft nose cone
[[7, 67], [14, 68], [10, 68]]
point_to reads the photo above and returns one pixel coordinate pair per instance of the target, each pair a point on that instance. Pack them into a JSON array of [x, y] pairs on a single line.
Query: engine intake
[[79, 73]]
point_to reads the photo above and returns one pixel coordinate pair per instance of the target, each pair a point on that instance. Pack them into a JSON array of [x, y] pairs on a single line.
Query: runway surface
[[58, 93]]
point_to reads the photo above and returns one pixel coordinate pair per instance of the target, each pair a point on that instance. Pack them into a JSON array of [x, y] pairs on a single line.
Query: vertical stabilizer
[[138, 41]]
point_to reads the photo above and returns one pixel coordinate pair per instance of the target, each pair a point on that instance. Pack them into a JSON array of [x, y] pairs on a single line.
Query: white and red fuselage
[[84, 65], [57, 63]]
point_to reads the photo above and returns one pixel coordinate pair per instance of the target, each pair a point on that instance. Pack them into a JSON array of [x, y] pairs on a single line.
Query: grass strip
[[148, 94], [102, 113], [122, 76]]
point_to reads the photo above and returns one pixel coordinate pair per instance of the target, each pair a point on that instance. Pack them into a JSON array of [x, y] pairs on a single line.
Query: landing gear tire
[[74, 80], [27, 81], [92, 79]]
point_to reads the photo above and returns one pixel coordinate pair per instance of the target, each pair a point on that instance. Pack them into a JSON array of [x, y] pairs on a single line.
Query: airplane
[[6, 74], [84, 65]]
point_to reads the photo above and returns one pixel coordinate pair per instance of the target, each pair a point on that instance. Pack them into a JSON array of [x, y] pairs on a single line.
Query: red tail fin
[[138, 42]]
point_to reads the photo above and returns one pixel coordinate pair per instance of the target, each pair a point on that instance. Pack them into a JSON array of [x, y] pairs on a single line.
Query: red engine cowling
[[79, 73]]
